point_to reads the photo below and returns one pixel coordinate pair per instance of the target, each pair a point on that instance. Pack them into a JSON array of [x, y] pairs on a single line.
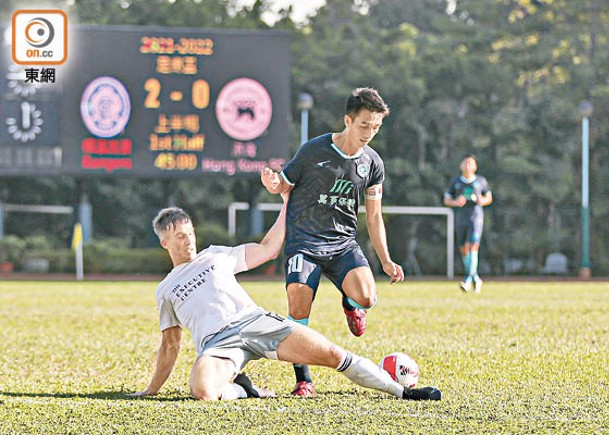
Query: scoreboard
[[150, 102]]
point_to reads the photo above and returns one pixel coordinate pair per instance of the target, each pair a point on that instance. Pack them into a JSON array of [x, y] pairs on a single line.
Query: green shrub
[[37, 243], [123, 260], [60, 260], [147, 261], [11, 249]]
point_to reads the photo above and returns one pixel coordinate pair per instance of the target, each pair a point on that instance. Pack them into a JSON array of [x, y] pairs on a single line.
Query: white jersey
[[203, 295]]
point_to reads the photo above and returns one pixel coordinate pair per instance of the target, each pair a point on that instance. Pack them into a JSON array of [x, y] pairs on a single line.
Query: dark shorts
[[469, 230], [307, 269]]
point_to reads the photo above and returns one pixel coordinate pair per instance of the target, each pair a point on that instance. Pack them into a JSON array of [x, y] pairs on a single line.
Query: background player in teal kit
[[327, 177], [468, 193]]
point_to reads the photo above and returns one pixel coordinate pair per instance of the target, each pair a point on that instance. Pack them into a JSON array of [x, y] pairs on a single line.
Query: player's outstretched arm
[[166, 358], [270, 246]]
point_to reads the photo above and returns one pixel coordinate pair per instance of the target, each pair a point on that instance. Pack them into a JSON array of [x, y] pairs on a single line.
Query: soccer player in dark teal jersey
[[327, 177], [468, 193]]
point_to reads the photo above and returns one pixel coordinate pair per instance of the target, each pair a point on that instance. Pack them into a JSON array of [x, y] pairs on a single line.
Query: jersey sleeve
[[234, 257], [377, 175], [295, 168], [484, 187], [168, 318], [450, 193]]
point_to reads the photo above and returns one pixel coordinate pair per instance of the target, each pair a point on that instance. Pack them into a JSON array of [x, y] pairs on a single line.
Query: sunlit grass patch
[[518, 358]]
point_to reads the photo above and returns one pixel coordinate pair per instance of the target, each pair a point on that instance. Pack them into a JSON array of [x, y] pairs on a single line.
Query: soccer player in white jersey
[[229, 329]]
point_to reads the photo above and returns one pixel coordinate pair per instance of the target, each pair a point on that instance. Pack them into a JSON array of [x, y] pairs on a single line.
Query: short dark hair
[[168, 218], [365, 98], [470, 156]]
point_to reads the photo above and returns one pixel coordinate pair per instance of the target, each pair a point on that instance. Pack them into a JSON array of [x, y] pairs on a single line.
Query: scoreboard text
[[150, 102]]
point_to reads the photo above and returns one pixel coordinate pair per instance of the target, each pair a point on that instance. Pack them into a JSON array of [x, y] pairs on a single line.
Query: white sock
[[233, 391], [364, 372]]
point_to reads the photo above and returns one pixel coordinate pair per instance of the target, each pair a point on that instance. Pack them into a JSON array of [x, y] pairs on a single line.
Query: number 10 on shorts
[[295, 264]]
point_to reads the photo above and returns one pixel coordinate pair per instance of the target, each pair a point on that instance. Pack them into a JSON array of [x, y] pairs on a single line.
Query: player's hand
[[270, 179], [460, 201], [394, 270], [140, 394]]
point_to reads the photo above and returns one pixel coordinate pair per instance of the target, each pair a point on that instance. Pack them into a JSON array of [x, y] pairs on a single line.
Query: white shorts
[[255, 336]]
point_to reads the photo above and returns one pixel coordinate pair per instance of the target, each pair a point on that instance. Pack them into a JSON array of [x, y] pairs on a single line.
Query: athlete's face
[[363, 127], [181, 242], [469, 167]]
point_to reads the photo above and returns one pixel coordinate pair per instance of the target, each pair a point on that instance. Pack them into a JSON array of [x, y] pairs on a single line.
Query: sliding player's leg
[[306, 346]]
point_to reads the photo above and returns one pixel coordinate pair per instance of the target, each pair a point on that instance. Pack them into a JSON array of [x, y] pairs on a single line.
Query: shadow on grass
[[167, 397], [99, 395]]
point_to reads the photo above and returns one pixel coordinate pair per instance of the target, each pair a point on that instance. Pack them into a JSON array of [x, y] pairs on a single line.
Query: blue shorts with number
[[307, 269]]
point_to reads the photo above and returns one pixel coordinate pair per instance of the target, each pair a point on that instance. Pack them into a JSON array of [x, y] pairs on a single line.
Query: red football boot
[[356, 320]]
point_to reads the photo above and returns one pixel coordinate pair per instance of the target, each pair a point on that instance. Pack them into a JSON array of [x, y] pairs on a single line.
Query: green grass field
[[518, 358]]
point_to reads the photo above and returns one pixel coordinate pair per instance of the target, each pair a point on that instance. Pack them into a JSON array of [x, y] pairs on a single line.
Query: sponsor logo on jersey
[[342, 186], [337, 196]]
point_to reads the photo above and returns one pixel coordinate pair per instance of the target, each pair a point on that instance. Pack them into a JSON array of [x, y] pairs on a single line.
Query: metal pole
[[304, 126], [450, 245], [85, 217], [78, 257], [584, 271], [305, 103], [232, 215]]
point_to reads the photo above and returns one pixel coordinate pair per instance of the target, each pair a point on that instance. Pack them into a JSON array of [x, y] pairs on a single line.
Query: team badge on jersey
[[363, 170]]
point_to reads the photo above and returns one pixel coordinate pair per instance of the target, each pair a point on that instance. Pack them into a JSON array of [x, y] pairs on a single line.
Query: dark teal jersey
[[328, 186], [471, 190]]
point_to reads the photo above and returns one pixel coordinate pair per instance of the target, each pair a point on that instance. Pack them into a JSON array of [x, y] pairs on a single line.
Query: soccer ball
[[402, 369]]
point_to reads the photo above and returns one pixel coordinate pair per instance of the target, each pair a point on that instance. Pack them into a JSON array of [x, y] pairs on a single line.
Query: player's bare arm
[[378, 234], [484, 200], [274, 182], [270, 246], [166, 358]]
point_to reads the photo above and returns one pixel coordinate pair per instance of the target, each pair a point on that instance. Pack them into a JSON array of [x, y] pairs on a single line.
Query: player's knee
[[368, 301], [202, 392], [365, 301], [299, 313]]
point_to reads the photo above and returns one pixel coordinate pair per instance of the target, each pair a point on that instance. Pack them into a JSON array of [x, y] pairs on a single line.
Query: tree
[[502, 80]]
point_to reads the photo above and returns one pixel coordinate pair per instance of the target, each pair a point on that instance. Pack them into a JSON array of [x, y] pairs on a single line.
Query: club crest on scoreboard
[[105, 107], [244, 109]]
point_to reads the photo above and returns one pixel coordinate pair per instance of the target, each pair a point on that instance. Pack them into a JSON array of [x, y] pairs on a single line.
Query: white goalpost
[[390, 209]]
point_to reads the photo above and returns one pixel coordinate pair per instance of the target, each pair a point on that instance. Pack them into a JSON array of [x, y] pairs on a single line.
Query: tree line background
[[500, 79]]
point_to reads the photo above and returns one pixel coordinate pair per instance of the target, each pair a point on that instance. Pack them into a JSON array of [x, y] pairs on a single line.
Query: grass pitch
[[518, 358]]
